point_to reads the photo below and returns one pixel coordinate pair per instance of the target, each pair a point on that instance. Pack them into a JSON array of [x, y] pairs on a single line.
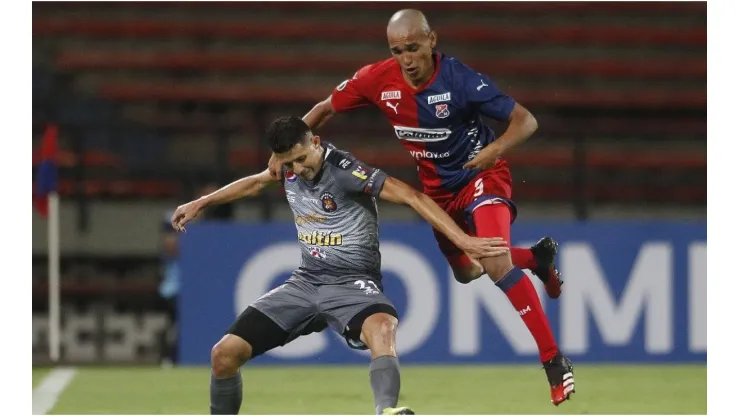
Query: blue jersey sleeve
[[484, 96]]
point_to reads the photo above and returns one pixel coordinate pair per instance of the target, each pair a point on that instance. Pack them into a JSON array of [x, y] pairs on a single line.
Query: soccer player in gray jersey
[[338, 283]]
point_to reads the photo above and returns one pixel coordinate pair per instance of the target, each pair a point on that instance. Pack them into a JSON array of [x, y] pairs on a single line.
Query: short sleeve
[[354, 92], [357, 177], [483, 94]]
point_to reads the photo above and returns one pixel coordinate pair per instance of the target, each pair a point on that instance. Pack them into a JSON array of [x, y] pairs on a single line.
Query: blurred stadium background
[[157, 103]]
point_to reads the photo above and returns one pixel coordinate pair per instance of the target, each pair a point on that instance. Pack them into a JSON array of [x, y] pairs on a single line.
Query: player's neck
[[322, 162]]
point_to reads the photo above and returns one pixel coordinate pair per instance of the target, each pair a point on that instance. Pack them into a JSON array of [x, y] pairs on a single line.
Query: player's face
[[413, 52], [304, 159]]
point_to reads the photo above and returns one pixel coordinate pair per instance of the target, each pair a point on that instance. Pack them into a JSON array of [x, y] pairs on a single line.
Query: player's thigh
[[277, 318], [494, 181], [252, 334], [347, 306], [491, 186]]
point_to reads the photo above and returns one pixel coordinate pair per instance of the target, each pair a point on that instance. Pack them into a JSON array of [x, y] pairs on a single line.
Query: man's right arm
[[249, 186]]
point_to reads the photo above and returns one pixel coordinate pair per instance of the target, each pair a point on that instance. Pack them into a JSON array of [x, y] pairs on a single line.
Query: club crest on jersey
[[390, 95], [442, 111], [290, 177], [439, 98], [327, 202]]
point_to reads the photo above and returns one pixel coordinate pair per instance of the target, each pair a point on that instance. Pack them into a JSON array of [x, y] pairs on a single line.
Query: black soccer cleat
[[559, 373], [544, 254]]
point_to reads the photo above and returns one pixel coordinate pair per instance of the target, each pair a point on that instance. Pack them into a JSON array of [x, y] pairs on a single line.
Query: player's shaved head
[[412, 42], [408, 21]]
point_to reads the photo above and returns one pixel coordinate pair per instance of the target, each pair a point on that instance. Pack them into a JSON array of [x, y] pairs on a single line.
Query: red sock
[[523, 258], [523, 297], [494, 221]]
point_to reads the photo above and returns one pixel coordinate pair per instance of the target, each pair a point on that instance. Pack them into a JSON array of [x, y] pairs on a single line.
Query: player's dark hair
[[286, 132]]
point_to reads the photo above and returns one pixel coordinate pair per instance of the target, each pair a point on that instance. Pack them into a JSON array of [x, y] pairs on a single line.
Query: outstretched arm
[[398, 192], [249, 186]]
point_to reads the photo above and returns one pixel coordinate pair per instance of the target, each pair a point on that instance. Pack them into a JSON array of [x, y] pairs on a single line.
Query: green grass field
[[38, 375], [428, 390]]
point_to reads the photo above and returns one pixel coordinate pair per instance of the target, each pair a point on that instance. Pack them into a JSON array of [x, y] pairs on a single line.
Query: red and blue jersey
[[439, 123]]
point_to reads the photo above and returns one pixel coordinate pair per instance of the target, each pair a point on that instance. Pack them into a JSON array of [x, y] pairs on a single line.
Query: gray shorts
[[301, 308]]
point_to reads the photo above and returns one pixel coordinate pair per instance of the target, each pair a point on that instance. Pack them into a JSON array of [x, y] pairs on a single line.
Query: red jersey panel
[[439, 123]]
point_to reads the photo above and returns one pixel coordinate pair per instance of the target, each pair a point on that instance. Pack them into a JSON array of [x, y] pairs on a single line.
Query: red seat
[[92, 158], [662, 99], [112, 59], [302, 29]]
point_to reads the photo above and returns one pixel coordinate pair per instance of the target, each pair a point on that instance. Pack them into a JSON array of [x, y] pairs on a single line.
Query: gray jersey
[[337, 219]]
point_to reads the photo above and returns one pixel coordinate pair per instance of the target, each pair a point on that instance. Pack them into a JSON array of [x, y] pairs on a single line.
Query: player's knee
[[380, 332], [467, 274], [387, 330], [226, 358], [463, 277], [496, 268]]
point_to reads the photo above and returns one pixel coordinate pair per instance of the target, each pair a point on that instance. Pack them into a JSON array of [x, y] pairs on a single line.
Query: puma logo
[[482, 84], [394, 107]]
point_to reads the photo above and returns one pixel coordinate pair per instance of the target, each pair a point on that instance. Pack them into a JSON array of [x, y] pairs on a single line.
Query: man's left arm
[[489, 100]]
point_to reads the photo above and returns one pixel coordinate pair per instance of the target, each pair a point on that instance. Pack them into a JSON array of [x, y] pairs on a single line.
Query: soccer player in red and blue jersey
[[434, 103]]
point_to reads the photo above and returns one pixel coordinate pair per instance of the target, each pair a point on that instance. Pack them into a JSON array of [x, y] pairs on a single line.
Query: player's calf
[[227, 356], [379, 334], [497, 267], [252, 334]]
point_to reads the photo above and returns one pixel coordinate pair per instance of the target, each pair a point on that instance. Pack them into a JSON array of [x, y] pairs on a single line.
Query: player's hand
[[485, 159], [186, 213], [480, 248], [275, 168]]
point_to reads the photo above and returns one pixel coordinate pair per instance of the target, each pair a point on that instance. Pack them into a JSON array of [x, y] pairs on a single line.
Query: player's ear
[[433, 39], [316, 141]]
